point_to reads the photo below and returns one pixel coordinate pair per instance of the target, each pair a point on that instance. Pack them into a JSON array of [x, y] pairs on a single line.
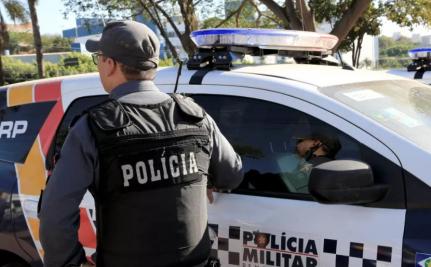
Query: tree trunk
[[289, 14], [156, 19], [4, 38], [191, 24], [358, 51], [353, 54], [349, 19], [233, 13], [306, 16], [2, 81], [290, 20], [278, 11], [36, 37]]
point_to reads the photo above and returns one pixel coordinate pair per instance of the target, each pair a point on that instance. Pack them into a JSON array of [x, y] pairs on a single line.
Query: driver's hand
[[210, 194]]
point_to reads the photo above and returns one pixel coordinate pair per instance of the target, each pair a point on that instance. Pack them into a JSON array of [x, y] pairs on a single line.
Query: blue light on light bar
[[417, 53], [265, 39]]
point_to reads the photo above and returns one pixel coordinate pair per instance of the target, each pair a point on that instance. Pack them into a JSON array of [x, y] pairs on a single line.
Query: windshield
[[402, 106]]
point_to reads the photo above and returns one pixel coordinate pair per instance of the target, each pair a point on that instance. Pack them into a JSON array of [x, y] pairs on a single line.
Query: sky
[[51, 18], [52, 21]]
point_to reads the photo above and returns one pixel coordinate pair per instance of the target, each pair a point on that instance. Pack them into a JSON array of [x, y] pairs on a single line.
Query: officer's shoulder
[[83, 116], [188, 106], [109, 115], [79, 124]]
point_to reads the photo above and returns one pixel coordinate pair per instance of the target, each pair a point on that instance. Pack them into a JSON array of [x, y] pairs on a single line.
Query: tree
[[350, 20], [23, 42], [161, 12], [19, 42], [369, 23], [36, 37], [188, 11], [156, 19], [56, 43], [248, 14], [300, 14], [4, 39], [16, 12], [408, 12]]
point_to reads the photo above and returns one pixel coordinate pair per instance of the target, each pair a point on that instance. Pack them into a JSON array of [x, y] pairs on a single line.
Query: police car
[[371, 206], [420, 67]]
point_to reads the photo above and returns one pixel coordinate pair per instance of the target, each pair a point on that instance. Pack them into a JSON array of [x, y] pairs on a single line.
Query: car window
[[266, 135], [402, 106], [75, 109]]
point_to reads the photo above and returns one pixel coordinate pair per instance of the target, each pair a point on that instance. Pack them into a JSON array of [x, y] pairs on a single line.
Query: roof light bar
[[419, 53], [265, 39]]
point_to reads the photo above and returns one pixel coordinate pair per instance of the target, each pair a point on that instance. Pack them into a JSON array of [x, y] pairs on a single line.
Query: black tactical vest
[[150, 193]]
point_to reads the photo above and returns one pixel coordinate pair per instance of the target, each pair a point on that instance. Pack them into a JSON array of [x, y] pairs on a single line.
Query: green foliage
[[331, 10], [166, 62], [56, 43], [17, 71], [86, 65], [247, 16], [393, 63], [393, 53], [368, 24], [395, 48], [403, 12], [408, 12], [15, 10], [22, 42]]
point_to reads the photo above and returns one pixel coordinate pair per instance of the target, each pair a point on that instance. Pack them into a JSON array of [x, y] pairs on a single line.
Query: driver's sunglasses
[[95, 57]]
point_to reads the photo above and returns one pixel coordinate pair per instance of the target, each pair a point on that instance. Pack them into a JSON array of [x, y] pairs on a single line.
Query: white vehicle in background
[[371, 206], [420, 68]]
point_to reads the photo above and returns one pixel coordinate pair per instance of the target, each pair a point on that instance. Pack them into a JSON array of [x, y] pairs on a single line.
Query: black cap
[[129, 42]]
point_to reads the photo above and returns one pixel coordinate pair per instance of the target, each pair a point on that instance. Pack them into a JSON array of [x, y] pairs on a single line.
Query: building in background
[[87, 28], [426, 40], [416, 38]]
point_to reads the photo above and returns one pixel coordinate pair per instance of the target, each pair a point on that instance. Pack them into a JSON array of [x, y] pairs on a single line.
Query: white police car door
[[264, 224]]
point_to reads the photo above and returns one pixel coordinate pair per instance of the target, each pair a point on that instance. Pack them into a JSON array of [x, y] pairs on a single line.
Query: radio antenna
[[178, 75]]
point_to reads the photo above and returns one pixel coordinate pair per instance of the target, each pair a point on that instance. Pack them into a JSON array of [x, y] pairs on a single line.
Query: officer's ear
[[112, 66]]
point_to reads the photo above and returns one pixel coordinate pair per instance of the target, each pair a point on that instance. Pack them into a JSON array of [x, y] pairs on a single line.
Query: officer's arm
[[225, 171], [59, 214]]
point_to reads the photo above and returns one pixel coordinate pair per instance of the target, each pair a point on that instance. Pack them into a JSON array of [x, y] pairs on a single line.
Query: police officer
[[145, 156]]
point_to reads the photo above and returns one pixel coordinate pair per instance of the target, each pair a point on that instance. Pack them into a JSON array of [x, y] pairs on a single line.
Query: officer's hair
[[132, 73]]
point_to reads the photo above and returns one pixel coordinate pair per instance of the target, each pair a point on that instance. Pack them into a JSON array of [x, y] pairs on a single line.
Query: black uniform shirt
[[79, 164]]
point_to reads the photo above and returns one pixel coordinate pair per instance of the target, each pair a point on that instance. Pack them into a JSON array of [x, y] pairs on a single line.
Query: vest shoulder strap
[[188, 107], [110, 115]]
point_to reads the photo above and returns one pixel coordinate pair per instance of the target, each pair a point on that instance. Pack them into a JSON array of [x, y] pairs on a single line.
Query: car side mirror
[[345, 182]]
